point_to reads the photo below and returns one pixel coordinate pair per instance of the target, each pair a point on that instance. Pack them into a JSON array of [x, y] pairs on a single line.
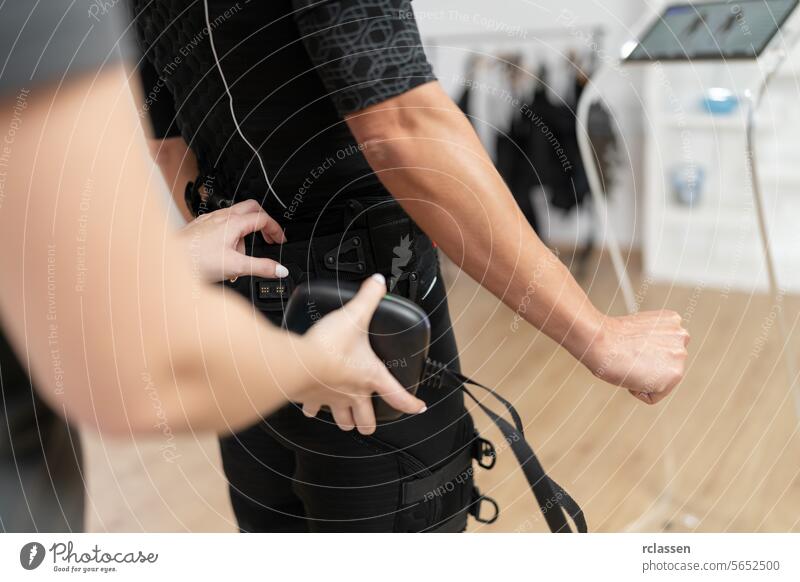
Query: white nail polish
[[379, 278], [281, 271]]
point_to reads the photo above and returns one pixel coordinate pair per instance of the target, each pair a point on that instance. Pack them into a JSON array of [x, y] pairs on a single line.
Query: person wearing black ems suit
[[292, 473], [296, 104]]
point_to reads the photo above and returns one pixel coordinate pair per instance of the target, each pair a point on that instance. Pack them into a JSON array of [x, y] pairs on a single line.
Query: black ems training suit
[[291, 71]]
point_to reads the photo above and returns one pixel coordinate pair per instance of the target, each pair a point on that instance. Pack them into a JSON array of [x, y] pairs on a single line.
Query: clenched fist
[[645, 353]]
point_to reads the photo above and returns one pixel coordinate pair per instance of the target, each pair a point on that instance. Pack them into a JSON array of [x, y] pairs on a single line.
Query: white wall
[[621, 90]]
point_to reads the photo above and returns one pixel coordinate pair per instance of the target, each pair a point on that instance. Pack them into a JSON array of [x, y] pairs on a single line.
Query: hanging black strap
[[555, 503]]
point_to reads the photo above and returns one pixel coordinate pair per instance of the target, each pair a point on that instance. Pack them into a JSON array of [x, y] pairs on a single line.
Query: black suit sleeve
[[365, 51]]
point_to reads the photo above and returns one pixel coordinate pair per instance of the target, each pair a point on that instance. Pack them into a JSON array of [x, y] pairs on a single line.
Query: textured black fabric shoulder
[[366, 51], [294, 69]]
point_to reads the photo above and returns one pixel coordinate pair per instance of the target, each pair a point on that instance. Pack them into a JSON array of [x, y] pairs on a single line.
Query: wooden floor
[[722, 454]]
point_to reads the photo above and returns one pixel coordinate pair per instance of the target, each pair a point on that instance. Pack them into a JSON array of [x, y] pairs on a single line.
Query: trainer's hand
[[645, 353], [215, 242], [348, 371]]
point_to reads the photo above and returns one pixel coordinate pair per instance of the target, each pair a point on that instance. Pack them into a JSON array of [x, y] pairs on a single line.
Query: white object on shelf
[[715, 241]]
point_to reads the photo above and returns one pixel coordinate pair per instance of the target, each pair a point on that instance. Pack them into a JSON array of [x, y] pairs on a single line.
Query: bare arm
[[101, 301], [427, 154], [178, 165]]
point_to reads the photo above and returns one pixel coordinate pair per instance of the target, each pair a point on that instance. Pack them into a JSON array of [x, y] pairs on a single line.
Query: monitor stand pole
[[776, 291], [666, 512]]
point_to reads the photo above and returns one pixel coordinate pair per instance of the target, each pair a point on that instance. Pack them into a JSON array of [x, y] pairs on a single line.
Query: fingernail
[[281, 271], [423, 409], [379, 278]]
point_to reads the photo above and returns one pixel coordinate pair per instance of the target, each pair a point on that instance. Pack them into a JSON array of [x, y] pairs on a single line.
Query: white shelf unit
[[715, 242]]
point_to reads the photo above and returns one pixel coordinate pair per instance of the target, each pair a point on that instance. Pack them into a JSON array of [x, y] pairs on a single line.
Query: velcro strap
[[456, 472], [554, 502]]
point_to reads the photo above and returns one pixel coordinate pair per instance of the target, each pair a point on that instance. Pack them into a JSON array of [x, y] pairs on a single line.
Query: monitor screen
[[713, 30]]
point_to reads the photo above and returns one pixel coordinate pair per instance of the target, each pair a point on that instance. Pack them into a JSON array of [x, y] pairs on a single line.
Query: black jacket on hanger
[[554, 147], [516, 164]]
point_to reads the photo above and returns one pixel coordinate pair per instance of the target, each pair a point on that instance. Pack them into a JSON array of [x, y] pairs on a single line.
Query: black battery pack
[[399, 331]]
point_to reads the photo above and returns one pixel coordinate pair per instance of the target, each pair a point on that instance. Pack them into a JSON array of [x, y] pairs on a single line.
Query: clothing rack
[[432, 43], [592, 38], [519, 35]]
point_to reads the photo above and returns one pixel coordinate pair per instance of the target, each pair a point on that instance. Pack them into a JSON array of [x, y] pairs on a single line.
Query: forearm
[[428, 156], [178, 166], [101, 301]]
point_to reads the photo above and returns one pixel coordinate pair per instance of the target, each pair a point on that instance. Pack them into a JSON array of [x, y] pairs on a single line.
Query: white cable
[[428, 292], [597, 190], [230, 103]]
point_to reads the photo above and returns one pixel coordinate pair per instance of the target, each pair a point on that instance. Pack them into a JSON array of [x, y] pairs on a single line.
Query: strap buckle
[[333, 262], [483, 449], [475, 510], [198, 205]]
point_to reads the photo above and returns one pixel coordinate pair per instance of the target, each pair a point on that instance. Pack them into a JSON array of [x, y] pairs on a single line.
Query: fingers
[[361, 415], [244, 207], [363, 305], [343, 417], [248, 217], [658, 394], [311, 409], [272, 231], [650, 398], [395, 395], [364, 415], [643, 396], [243, 224], [256, 267]]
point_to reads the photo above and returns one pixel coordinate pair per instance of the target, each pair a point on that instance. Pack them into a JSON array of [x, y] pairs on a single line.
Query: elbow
[[395, 125], [395, 137], [382, 137], [383, 152], [395, 140]]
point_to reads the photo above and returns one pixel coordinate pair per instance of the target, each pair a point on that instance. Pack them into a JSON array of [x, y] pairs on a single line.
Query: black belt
[[376, 237]]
